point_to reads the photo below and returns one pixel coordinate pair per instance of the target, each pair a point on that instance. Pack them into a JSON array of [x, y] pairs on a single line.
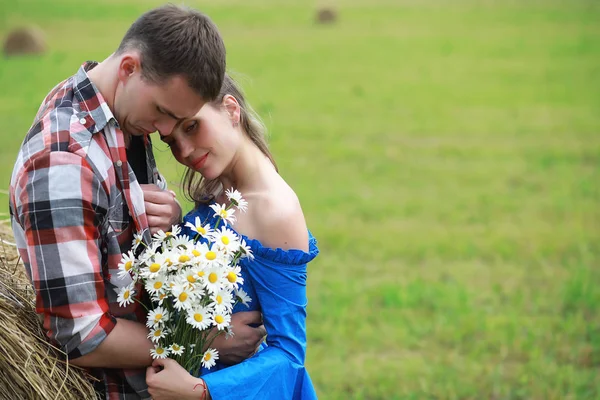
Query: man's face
[[142, 107]]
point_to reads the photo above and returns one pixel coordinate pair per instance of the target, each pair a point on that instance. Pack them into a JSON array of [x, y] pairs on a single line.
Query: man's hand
[[245, 340], [162, 208]]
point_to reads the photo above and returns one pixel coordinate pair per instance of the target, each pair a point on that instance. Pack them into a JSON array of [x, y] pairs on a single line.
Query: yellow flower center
[[162, 296], [159, 350], [223, 213], [175, 347], [157, 333], [212, 277], [196, 253], [200, 274], [211, 255], [198, 317], [231, 277], [184, 258], [168, 234], [126, 294], [183, 297], [157, 285], [128, 265], [207, 356], [225, 240], [191, 279], [158, 317], [169, 262], [219, 319], [154, 267], [201, 230], [219, 299]]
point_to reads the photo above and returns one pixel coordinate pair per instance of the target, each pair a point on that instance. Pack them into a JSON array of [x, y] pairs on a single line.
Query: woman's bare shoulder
[[277, 219]]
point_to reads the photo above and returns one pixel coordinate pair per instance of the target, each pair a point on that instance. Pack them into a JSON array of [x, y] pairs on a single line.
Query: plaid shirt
[[74, 204]]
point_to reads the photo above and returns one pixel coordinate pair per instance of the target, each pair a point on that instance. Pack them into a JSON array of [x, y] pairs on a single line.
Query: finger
[[162, 197], [150, 187], [150, 372], [159, 362], [158, 208], [248, 317], [263, 332]]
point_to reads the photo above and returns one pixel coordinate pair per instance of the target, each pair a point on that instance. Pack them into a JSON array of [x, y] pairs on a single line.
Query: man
[[85, 181]]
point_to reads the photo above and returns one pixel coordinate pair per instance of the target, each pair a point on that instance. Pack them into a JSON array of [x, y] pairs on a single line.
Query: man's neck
[[103, 76]]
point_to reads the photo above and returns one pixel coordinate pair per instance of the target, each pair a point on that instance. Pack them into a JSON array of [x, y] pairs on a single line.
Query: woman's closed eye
[[189, 128]]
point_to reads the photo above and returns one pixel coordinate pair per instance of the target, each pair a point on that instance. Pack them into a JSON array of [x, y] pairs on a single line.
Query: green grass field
[[447, 155]]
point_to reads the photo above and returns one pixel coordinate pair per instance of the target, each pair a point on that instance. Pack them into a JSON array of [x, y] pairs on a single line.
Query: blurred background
[[447, 156]]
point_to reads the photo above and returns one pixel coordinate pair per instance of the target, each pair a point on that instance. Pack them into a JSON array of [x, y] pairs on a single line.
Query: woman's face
[[206, 142]]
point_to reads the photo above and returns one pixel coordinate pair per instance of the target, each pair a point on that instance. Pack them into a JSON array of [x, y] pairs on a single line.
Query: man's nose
[[165, 127]]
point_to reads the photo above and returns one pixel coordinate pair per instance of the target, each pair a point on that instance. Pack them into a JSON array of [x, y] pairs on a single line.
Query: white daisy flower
[[158, 316], [213, 279], [176, 349], [126, 265], [183, 296], [243, 297], [233, 277], [125, 294], [225, 214], [221, 318], [223, 298], [179, 242], [157, 333], [226, 239], [203, 230], [245, 250], [159, 298], [158, 284], [138, 239], [159, 352], [236, 198], [149, 253], [210, 358], [199, 317], [213, 256], [155, 267]]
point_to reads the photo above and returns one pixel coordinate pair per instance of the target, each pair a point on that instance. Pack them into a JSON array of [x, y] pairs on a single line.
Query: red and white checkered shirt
[[75, 204]]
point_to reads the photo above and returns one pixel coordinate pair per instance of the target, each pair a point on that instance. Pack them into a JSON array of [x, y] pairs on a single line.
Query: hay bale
[[30, 367], [326, 16], [25, 40]]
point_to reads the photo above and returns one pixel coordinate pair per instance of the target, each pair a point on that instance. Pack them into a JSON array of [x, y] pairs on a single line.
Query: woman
[[223, 147]]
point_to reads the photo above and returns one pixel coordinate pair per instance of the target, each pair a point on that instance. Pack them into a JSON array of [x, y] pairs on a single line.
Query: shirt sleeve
[[60, 207], [278, 371]]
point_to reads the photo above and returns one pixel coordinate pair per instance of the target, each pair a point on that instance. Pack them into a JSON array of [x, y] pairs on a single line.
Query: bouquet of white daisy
[[193, 284]]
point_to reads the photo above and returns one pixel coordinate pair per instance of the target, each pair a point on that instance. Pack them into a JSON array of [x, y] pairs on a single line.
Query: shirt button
[[82, 121], [104, 250], [119, 163]]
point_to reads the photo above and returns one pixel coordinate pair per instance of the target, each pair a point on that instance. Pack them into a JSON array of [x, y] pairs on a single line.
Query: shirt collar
[[91, 102]]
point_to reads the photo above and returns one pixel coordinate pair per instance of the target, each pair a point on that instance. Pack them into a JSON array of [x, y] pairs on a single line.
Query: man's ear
[[233, 109], [129, 65]]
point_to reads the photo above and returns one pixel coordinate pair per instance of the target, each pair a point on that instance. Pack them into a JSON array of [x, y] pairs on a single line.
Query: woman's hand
[[167, 380]]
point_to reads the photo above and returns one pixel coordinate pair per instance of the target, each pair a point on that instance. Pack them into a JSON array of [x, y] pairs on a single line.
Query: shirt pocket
[[118, 212]]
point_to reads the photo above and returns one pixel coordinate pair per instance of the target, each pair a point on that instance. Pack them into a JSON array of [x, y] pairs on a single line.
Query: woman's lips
[[199, 163]]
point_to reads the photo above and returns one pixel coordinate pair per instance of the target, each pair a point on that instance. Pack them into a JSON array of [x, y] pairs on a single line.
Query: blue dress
[[275, 280]]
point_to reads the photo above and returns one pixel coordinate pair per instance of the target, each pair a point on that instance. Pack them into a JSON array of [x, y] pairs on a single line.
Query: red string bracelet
[[204, 389]]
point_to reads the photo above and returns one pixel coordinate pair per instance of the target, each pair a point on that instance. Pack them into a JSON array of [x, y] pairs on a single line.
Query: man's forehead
[[178, 98]]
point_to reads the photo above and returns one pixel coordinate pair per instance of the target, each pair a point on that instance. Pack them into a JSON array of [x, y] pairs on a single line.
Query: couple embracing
[[85, 183]]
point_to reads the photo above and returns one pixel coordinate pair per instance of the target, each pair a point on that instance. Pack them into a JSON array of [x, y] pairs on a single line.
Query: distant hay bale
[[30, 367], [326, 16], [24, 40]]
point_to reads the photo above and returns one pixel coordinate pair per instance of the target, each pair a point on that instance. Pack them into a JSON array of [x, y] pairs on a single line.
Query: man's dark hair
[[174, 40]]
